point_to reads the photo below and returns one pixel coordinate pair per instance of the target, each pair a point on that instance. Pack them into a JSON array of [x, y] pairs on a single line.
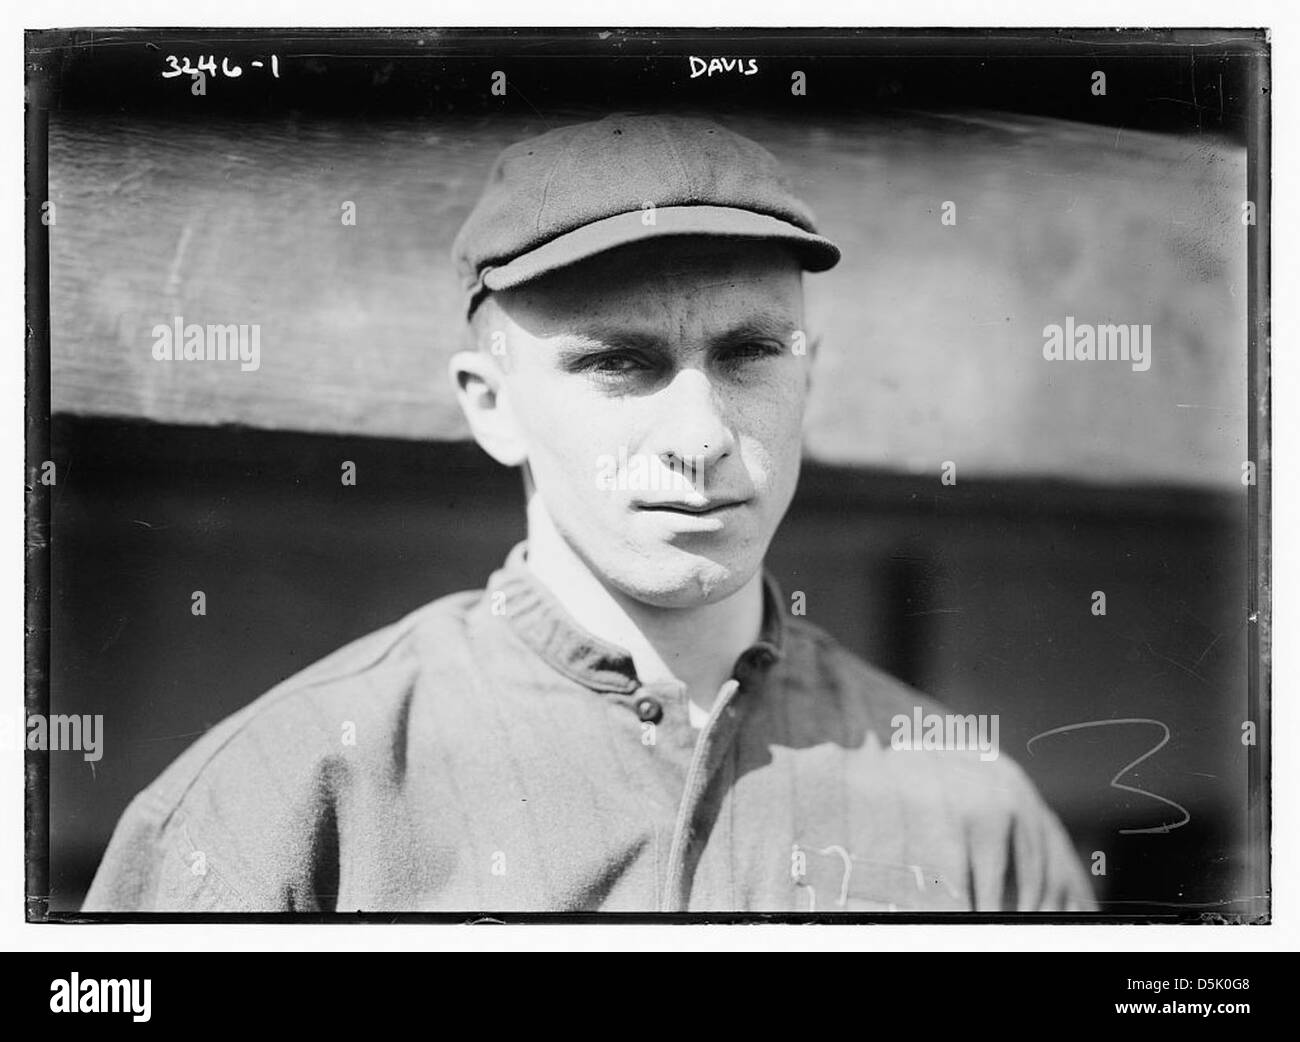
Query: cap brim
[[815, 252]]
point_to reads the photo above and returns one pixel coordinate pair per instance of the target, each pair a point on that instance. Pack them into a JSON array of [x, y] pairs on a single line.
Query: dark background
[[978, 593]]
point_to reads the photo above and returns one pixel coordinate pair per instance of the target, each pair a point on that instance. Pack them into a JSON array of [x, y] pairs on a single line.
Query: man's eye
[[614, 364], [749, 350]]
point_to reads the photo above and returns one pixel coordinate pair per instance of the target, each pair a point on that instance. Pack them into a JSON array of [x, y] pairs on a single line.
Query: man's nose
[[690, 426]]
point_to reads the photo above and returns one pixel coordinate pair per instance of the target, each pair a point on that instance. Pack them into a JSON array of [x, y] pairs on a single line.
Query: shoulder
[[242, 819], [936, 745], [948, 773], [363, 687], [833, 673]]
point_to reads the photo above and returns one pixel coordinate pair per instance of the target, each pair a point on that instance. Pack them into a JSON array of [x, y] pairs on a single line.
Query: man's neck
[[695, 646]]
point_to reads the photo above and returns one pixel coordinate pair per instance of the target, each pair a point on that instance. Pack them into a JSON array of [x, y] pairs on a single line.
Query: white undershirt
[[699, 717]]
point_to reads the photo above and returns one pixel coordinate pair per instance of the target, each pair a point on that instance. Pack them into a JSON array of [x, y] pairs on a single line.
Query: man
[[628, 718]]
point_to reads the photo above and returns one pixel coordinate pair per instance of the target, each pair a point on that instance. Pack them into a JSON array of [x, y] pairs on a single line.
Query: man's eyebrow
[[586, 339], [772, 327]]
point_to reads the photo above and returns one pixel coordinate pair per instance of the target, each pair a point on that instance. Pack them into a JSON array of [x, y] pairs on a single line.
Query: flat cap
[[580, 190]]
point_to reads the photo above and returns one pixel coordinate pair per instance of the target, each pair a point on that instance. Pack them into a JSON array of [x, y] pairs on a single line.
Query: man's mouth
[[695, 507]]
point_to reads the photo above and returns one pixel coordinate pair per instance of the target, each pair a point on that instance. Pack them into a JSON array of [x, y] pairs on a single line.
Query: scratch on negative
[[174, 272]]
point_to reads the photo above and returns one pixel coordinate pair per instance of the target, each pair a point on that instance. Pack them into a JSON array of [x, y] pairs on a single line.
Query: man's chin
[[671, 577]]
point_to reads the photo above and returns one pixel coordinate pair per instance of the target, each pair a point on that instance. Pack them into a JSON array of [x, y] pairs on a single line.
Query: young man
[[628, 718]]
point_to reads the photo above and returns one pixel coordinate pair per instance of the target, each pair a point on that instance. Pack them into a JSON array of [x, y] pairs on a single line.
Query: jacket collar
[[541, 622]]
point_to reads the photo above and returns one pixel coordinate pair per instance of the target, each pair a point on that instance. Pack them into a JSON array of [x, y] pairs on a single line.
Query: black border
[[46, 70]]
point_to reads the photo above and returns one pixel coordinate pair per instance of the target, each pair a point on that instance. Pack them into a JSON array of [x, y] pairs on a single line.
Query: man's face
[[660, 399]]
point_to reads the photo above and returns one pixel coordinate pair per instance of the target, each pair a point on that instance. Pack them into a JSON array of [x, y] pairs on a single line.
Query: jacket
[[488, 754]]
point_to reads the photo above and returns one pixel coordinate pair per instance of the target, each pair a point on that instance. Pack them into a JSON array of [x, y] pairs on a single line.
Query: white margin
[[1283, 935]]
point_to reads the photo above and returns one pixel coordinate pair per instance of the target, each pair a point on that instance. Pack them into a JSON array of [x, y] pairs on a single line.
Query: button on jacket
[[488, 754]]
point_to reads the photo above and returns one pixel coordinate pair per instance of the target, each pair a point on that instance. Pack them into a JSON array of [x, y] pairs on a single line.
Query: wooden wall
[[932, 334]]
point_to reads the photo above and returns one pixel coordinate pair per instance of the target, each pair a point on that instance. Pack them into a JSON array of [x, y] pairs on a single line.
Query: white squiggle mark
[[1115, 781], [847, 858], [848, 871]]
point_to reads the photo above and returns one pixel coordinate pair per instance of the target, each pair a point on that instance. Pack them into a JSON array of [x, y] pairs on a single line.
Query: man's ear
[[480, 389], [813, 345]]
